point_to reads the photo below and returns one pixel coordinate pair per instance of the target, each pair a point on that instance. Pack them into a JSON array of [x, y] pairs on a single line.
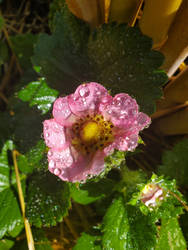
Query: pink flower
[[87, 126]]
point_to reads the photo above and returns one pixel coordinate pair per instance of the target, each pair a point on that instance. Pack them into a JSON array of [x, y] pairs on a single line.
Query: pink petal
[[110, 149], [143, 120], [59, 160], [62, 112], [87, 98], [71, 166], [85, 167], [122, 111], [127, 142], [54, 134]]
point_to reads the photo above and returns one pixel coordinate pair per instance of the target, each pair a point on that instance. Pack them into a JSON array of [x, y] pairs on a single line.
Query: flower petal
[[143, 120], [54, 134], [122, 111], [71, 166], [62, 112], [85, 167], [87, 98], [127, 142], [59, 160]]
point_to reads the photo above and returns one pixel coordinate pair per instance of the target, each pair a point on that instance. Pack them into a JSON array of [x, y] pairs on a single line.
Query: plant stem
[[30, 241]]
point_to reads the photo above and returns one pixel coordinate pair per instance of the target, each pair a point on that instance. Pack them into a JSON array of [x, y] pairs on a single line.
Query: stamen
[[92, 133]]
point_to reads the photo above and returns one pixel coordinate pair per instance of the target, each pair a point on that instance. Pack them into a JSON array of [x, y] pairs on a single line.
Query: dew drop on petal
[[45, 127], [51, 164], [50, 153], [104, 99], [84, 91], [121, 117], [57, 171], [62, 142]]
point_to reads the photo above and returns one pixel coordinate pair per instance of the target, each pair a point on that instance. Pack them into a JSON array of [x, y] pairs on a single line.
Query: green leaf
[[124, 61], [125, 227], [4, 128], [92, 191], [38, 93], [175, 162], [55, 7], [11, 222], [118, 56], [6, 244], [88, 242], [22, 45], [132, 178], [33, 159], [113, 161], [25, 124], [170, 236], [184, 225], [40, 239], [62, 56], [48, 199]]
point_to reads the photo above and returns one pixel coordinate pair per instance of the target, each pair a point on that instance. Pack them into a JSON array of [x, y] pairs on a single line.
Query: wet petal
[[83, 168], [122, 111], [110, 149], [87, 98], [62, 112], [54, 134], [143, 120], [127, 142], [59, 160]]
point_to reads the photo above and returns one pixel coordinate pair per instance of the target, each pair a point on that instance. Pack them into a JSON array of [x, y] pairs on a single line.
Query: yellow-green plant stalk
[[157, 18], [122, 10], [29, 236], [90, 11], [175, 49]]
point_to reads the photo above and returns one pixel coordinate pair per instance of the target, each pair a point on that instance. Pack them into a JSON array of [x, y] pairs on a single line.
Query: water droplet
[[104, 100], [45, 127], [50, 153], [123, 112], [84, 91], [47, 134], [61, 142], [121, 117], [51, 164], [75, 98], [57, 171]]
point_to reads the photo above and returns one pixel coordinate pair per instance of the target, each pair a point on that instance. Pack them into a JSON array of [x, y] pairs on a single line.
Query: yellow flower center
[[92, 133]]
